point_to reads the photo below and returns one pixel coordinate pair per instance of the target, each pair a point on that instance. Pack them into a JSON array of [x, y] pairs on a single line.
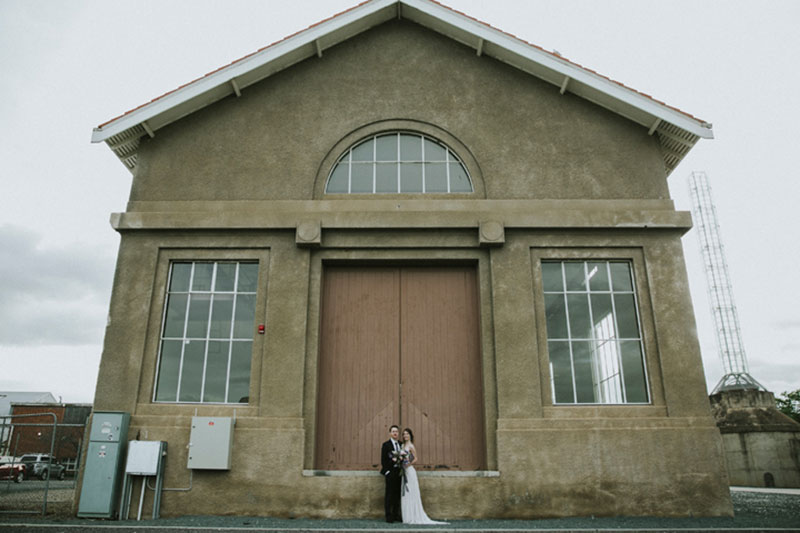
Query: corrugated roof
[[676, 130]]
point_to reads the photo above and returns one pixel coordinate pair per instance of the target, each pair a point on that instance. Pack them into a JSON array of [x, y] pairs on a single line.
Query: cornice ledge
[[407, 217]]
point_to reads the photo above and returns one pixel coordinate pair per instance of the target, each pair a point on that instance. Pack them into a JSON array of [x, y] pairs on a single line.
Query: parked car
[[41, 465], [15, 471]]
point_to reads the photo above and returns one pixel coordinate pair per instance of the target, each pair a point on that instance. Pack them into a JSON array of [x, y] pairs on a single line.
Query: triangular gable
[[676, 130]]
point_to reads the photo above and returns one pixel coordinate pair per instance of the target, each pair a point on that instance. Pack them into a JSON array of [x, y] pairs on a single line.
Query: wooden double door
[[400, 346]]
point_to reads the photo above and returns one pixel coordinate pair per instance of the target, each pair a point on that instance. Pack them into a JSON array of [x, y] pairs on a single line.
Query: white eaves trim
[[242, 66], [485, 34], [122, 134]]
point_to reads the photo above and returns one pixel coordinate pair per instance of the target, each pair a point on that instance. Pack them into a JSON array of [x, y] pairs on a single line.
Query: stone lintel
[[405, 214]]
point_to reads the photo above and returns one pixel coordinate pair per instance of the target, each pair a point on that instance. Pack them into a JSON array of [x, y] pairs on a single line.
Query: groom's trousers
[[392, 496]]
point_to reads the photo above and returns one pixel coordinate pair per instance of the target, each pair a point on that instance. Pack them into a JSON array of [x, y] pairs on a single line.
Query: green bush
[[789, 404]]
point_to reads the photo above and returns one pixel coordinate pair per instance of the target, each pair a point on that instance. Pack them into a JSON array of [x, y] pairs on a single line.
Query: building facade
[[402, 215]]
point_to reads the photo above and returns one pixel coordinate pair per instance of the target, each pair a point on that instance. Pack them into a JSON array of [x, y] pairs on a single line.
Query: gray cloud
[[51, 296]]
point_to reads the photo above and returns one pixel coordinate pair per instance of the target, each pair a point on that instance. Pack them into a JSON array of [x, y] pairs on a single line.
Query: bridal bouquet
[[400, 458]]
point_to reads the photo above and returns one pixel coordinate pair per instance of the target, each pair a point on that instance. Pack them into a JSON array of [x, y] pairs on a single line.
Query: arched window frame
[[456, 178]]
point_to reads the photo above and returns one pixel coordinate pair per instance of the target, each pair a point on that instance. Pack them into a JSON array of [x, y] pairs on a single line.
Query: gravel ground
[[27, 496], [754, 511]]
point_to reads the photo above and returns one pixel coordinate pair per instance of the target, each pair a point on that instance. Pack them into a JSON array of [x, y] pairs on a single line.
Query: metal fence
[[20, 437]]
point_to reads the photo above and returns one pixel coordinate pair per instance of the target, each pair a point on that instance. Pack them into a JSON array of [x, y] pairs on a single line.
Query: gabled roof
[[676, 130]]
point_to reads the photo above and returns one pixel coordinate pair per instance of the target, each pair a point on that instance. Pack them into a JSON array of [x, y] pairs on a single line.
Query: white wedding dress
[[411, 500]]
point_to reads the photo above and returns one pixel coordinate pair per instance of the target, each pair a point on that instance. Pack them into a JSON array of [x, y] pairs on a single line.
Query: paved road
[[754, 511]]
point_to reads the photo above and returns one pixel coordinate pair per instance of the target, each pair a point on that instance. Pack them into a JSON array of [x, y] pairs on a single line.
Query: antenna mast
[[720, 293]]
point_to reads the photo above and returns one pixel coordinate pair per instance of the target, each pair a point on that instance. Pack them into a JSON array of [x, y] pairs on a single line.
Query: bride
[[411, 501]]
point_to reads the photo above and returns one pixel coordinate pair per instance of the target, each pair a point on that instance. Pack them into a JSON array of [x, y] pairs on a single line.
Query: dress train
[[411, 501]]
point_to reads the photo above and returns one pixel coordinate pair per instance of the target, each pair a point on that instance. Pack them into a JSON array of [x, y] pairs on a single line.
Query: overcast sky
[[66, 67]]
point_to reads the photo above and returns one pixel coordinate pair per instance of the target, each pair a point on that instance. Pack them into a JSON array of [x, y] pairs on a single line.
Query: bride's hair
[[410, 433]]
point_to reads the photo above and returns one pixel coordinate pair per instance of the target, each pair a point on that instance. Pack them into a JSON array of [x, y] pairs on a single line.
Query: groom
[[391, 474]]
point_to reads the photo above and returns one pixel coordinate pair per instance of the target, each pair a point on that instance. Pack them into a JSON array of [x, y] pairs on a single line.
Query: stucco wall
[[544, 460], [528, 140]]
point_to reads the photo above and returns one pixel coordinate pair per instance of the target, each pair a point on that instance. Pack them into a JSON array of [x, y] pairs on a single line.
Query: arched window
[[398, 163]]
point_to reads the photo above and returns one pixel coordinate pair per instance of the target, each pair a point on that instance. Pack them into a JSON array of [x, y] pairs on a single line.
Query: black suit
[[392, 476]]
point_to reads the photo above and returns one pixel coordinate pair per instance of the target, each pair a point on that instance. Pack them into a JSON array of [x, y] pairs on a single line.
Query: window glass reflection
[[575, 276], [361, 178], [556, 312], [594, 342], [371, 167], [386, 177], [386, 148], [561, 370], [410, 177], [179, 279], [598, 276], [203, 273], [363, 152], [206, 344], [551, 277]]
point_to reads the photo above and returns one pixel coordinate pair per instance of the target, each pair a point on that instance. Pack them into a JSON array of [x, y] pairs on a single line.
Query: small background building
[[762, 445], [34, 434], [7, 398], [403, 215]]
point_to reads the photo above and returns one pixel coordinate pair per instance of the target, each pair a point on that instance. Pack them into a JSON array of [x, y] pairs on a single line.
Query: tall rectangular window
[[207, 335], [593, 334]]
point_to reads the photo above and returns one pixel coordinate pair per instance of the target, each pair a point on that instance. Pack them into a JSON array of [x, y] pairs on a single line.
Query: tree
[[789, 404]]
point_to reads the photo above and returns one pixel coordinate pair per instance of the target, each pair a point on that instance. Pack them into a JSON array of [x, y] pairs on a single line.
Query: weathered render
[[762, 445], [555, 177]]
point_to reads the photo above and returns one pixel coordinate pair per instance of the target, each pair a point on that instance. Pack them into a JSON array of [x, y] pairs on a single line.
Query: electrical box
[[109, 427], [210, 443], [102, 472], [144, 457]]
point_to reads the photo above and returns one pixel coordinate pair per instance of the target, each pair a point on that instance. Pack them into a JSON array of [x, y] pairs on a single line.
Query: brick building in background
[[34, 434]]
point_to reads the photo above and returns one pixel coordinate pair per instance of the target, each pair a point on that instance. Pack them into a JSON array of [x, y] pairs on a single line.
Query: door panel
[[359, 366], [400, 345], [441, 387]]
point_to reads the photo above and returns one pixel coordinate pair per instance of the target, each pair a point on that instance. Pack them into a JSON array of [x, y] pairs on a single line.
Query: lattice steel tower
[[720, 293]]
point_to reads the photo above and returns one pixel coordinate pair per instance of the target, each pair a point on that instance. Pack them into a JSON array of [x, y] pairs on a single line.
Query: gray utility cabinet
[[105, 457], [211, 443]]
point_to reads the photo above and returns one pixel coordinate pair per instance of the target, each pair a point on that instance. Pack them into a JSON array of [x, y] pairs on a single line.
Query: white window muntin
[[425, 161], [207, 338], [607, 345]]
